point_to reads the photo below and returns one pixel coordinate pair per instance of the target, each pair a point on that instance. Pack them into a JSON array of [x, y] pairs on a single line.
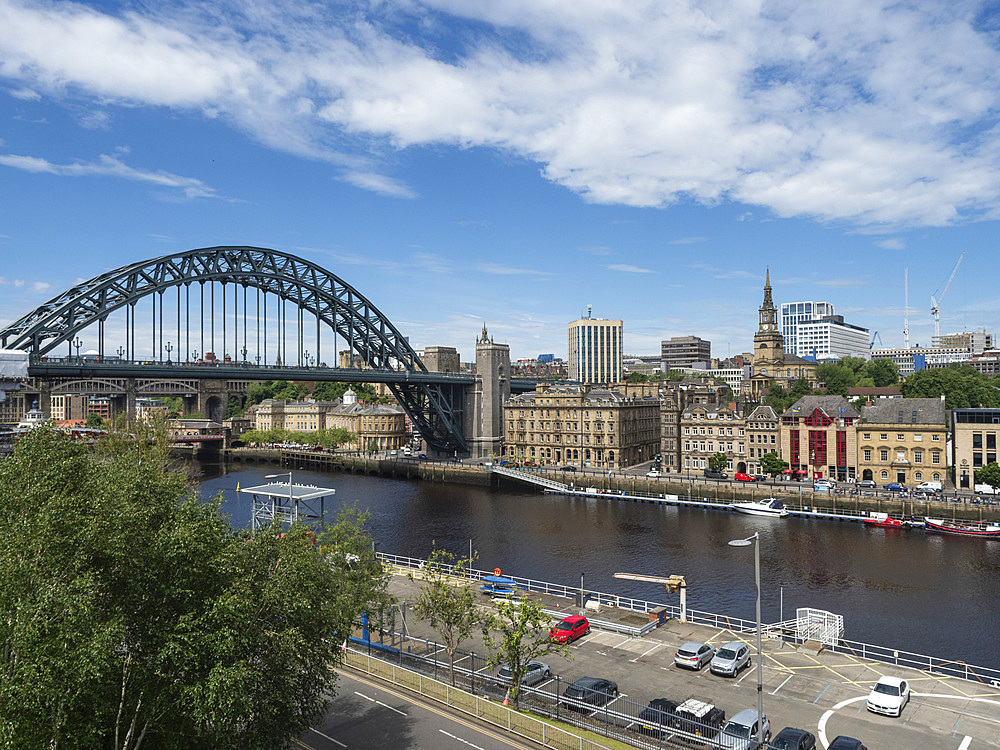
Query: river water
[[918, 592]]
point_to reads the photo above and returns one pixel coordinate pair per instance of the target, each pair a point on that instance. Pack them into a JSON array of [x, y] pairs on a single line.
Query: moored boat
[[963, 528], [884, 520], [769, 506]]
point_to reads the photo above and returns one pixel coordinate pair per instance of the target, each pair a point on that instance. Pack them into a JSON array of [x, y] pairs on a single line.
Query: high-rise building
[[595, 350], [794, 313], [684, 351]]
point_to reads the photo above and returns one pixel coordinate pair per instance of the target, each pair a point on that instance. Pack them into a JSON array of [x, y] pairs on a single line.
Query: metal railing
[[933, 664]]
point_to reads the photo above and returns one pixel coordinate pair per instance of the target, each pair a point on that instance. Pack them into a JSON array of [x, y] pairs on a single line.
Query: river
[[918, 592]]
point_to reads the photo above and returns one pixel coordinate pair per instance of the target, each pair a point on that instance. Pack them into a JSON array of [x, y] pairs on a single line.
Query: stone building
[[903, 440], [683, 351], [377, 426], [771, 364], [441, 359], [484, 421], [707, 429], [578, 425], [974, 442], [676, 397], [13, 408], [818, 436], [763, 433]]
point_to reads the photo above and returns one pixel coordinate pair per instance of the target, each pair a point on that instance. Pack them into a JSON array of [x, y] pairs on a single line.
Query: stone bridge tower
[[484, 421]]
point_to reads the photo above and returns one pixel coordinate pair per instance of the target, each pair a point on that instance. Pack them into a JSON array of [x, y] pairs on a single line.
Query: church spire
[[768, 302]]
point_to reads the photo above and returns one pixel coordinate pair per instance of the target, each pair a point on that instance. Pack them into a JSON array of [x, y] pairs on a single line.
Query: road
[[370, 714]]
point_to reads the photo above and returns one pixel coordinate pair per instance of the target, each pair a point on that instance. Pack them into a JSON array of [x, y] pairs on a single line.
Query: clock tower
[[768, 343]]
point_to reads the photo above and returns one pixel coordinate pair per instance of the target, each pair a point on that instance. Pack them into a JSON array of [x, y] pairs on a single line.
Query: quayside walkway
[[822, 690]]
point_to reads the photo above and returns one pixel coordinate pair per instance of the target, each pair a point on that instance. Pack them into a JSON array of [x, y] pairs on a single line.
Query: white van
[[406, 450], [931, 486]]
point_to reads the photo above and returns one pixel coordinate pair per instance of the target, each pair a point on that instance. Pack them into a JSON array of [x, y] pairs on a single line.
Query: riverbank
[[795, 496]]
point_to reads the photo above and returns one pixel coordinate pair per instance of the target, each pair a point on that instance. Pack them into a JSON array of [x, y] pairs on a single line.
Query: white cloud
[[110, 166], [27, 95], [498, 270], [877, 114], [893, 243], [40, 287], [624, 268]]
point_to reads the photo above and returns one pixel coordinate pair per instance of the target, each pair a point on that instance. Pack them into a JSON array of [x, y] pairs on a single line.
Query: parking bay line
[[647, 652], [775, 692]]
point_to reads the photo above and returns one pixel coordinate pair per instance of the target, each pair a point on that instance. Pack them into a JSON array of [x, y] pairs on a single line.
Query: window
[[883, 436], [868, 455], [918, 476], [885, 475], [936, 457], [900, 436], [977, 440], [901, 455], [883, 455], [935, 437], [918, 437], [918, 456], [868, 436]]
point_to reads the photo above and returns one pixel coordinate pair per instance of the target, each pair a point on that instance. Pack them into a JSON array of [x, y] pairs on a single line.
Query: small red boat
[[963, 528], [884, 520]]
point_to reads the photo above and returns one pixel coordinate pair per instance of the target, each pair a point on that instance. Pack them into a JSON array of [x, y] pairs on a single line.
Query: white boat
[[769, 506]]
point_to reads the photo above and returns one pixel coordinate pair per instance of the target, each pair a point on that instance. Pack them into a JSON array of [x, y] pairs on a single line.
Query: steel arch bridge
[[434, 407]]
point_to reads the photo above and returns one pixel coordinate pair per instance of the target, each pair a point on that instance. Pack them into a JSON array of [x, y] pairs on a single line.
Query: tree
[[522, 635], [637, 377], [884, 372], [836, 376], [95, 420], [717, 462], [447, 603], [962, 386], [675, 376], [989, 474], [134, 616], [772, 465]]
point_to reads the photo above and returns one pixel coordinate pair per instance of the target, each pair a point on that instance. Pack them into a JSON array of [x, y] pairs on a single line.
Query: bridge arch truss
[[434, 408]]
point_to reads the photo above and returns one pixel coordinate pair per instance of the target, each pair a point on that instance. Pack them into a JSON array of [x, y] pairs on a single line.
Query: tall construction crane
[[936, 303]]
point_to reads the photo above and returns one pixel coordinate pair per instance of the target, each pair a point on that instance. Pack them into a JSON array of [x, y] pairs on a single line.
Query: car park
[[889, 696], [590, 691], [895, 487], [534, 673], [741, 731], [843, 742], [791, 738], [730, 659], [694, 655], [655, 718], [741, 477], [569, 629]]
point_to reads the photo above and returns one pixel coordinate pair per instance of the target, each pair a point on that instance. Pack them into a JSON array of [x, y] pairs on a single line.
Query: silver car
[[740, 732], [730, 659], [534, 673], [694, 655]]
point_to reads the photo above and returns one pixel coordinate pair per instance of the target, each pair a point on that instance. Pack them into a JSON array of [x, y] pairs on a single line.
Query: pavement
[[823, 692]]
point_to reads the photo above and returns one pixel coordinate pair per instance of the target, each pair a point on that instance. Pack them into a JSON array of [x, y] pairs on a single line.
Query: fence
[[952, 667]]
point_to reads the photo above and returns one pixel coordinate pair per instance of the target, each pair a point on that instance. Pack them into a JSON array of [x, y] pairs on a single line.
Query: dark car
[[867, 484], [698, 717], [759, 477], [568, 468], [846, 743], [590, 691], [657, 716], [713, 474], [791, 738], [896, 487]]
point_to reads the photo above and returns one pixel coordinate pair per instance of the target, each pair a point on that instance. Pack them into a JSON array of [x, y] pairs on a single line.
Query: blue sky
[[514, 161]]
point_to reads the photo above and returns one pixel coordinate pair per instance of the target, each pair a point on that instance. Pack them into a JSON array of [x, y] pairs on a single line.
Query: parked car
[[984, 489], [655, 718], [896, 487], [569, 629], [694, 655], [653, 473], [867, 484], [568, 468], [842, 742], [889, 696], [698, 717], [713, 474], [741, 477], [760, 477], [590, 691], [534, 673], [791, 738], [933, 486], [822, 487], [740, 732], [828, 483], [730, 659]]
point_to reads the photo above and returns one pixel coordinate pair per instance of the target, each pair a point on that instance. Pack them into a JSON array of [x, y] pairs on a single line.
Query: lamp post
[[243, 352], [77, 343], [121, 352], [755, 540], [169, 347]]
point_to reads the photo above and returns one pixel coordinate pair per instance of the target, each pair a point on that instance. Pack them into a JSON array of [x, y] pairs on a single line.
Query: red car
[[567, 631], [740, 477]]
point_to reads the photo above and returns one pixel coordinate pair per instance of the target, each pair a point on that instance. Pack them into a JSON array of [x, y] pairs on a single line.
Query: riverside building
[[595, 350]]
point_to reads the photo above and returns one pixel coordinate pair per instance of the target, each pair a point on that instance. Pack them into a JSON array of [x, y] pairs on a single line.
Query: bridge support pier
[[213, 398], [484, 422]]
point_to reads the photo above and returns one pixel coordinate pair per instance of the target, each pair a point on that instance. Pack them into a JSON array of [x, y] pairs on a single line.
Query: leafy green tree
[[516, 633], [772, 465], [836, 376], [330, 391], [95, 420], [447, 602], [989, 474], [234, 407], [637, 377], [857, 365], [717, 462], [134, 616], [884, 372], [676, 376], [962, 386]]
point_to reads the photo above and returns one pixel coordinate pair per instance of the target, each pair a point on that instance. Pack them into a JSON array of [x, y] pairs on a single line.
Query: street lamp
[[77, 343], [169, 347], [755, 540], [243, 351]]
